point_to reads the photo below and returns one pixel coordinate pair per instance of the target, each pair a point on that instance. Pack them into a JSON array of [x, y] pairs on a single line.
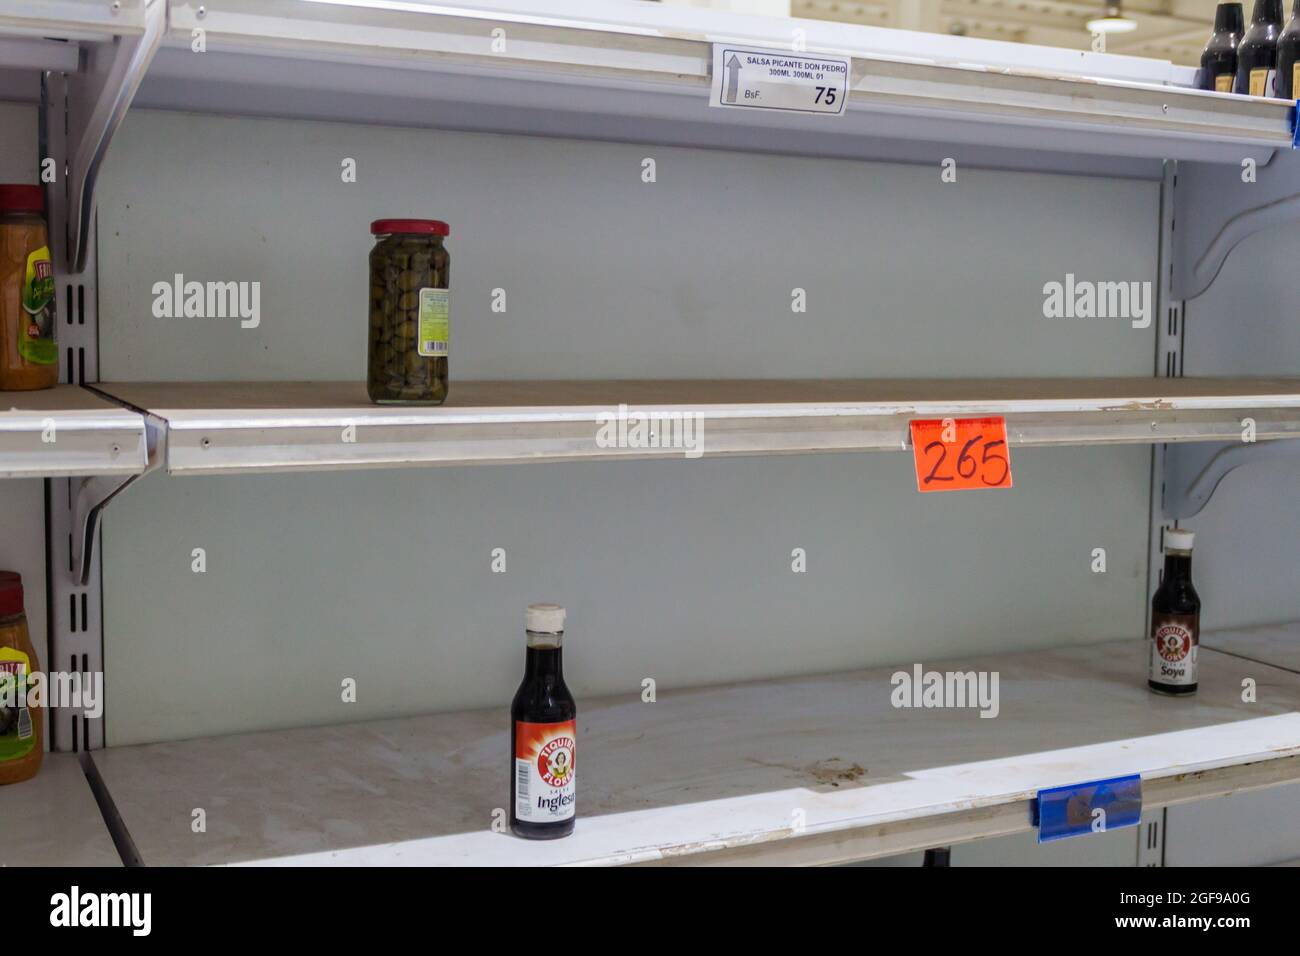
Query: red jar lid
[[419, 227], [11, 593], [16, 197]]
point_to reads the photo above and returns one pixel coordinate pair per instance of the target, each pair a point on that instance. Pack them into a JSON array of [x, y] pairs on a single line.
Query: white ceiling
[[1167, 29]]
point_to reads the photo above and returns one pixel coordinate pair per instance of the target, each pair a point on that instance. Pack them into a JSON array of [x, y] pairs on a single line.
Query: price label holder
[[955, 454], [1295, 125], [1085, 808], [754, 78]]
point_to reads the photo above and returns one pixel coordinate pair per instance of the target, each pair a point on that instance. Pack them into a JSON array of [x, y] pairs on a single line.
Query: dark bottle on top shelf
[[1288, 57], [1175, 621], [1219, 59], [1257, 52]]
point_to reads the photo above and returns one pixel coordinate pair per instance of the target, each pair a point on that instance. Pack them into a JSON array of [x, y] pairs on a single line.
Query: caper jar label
[[409, 312], [435, 321]]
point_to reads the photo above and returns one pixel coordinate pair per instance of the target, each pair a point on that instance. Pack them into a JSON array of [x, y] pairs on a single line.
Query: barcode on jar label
[[434, 323]]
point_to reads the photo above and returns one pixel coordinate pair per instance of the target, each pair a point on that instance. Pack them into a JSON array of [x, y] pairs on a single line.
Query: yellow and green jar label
[[36, 330], [17, 737]]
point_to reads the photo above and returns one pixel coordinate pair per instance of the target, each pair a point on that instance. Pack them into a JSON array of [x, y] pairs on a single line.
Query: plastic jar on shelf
[[409, 312], [29, 359], [22, 733]]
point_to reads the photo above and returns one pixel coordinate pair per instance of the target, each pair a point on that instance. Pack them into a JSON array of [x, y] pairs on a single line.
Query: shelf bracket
[[1218, 206], [91, 495], [1194, 470], [80, 112]]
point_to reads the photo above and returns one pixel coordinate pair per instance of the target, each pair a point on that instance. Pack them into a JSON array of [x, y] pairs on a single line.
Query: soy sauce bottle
[[1288, 57], [1257, 52], [1175, 621], [1219, 59], [543, 734]]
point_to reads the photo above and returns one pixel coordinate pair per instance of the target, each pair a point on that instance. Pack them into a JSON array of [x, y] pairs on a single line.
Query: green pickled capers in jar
[[409, 312]]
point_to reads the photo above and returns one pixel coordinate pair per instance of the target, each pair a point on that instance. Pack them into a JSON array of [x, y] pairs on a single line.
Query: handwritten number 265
[[967, 465]]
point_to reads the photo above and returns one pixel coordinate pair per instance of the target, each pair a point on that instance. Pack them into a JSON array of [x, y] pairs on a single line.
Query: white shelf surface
[[640, 72], [68, 431], [215, 428], [53, 820], [72, 19], [1274, 644], [718, 774]]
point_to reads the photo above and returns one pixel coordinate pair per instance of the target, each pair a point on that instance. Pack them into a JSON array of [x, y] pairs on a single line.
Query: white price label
[[754, 78]]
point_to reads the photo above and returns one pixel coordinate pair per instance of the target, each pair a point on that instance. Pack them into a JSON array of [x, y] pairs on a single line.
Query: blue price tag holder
[[1085, 808], [1295, 126]]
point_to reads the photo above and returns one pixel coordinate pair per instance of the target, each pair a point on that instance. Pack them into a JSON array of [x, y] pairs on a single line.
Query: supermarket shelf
[[718, 774], [53, 820], [40, 35], [641, 73], [90, 20], [68, 431], [1277, 645], [215, 428]]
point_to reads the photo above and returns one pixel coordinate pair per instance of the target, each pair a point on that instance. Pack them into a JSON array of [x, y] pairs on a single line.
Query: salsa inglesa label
[[545, 771]]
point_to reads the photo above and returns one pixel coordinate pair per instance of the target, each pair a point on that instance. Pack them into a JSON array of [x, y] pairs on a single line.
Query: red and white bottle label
[[545, 771], [1174, 640]]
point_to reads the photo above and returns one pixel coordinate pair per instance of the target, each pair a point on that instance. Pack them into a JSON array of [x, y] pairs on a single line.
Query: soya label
[[36, 330], [545, 771], [16, 732], [1223, 83], [1174, 640]]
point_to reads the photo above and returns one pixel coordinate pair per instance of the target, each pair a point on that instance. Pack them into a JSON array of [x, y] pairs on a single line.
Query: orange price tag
[[953, 454]]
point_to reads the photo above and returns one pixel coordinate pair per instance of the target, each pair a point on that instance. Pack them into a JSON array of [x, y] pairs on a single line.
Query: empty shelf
[[68, 431], [215, 428], [808, 769], [53, 820]]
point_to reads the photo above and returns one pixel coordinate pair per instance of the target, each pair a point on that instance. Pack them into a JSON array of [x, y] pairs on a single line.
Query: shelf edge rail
[[887, 78]]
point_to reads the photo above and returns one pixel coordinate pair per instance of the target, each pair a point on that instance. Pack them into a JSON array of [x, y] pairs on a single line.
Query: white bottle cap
[[1177, 539], [545, 618]]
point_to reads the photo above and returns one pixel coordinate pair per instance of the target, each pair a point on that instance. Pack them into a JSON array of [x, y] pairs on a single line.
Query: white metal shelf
[[641, 73], [53, 820], [1277, 645], [804, 769], [215, 428], [68, 431], [39, 35], [93, 20]]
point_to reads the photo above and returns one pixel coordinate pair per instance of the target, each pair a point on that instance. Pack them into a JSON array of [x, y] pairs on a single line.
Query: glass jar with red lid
[[409, 312]]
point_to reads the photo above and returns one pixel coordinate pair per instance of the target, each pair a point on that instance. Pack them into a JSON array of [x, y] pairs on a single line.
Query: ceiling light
[[1112, 21]]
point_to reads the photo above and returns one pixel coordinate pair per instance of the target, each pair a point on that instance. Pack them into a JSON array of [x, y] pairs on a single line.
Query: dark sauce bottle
[[1257, 52], [1219, 59], [543, 734], [1175, 621], [1288, 57]]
